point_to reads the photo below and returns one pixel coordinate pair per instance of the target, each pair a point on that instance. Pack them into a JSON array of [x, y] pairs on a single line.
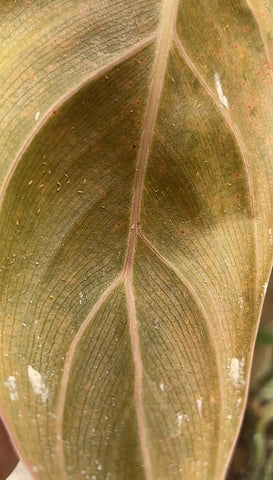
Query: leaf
[[265, 336], [136, 206]]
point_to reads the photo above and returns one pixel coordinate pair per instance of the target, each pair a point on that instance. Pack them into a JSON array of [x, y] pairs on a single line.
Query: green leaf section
[[136, 232], [265, 336]]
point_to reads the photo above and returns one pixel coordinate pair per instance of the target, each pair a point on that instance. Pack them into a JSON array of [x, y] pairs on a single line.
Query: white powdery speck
[[81, 297], [38, 386], [179, 421], [199, 403], [10, 384], [161, 386], [236, 372], [241, 302], [223, 99], [265, 285], [37, 115], [180, 418]]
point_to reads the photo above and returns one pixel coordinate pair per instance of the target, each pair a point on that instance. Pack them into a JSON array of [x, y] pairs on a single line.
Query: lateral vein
[[198, 302], [66, 371], [262, 35], [239, 141], [95, 75]]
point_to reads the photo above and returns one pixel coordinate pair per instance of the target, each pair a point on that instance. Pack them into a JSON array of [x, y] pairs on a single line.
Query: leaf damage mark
[[265, 285], [199, 403], [270, 236], [37, 116], [223, 99], [37, 384], [180, 418], [179, 421], [241, 302], [236, 372], [11, 386]]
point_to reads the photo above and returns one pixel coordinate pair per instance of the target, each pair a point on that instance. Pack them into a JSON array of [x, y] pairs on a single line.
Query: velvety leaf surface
[[136, 231]]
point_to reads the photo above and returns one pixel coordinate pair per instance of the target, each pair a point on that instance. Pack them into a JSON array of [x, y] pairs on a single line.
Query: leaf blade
[[179, 123]]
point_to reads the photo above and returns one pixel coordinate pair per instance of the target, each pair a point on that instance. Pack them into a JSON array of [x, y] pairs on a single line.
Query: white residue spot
[[241, 302], [11, 386], [38, 386], [99, 466], [179, 421], [199, 403], [265, 285], [223, 99], [180, 418], [37, 115], [236, 372], [162, 387], [81, 297], [270, 236]]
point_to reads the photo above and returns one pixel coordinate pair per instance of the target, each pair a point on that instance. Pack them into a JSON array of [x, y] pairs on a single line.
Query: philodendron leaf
[[136, 231]]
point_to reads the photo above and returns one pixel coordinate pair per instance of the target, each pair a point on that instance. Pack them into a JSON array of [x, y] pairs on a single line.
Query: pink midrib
[[165, 39]]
